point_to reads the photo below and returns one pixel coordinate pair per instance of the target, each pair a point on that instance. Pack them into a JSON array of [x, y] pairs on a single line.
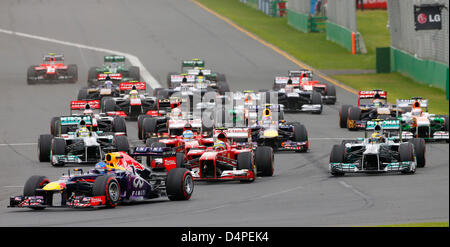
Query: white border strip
[[145, 74]]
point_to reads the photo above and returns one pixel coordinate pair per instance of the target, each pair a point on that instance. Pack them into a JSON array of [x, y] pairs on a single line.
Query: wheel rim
[[188, 184], [113, 190]]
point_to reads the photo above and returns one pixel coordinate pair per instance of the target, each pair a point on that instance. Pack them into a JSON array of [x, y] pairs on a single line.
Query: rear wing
[[300, 73], [127, 86], [197, 71], [179, 78], [393, 124], [102, 77], [192, 63], [285, 79], [413, 103], [113, 58], [372, 94], [75, 120], [81, 104]]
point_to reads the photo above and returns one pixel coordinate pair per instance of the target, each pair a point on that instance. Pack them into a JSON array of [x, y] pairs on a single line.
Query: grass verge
[[314, 50], [424, 224]]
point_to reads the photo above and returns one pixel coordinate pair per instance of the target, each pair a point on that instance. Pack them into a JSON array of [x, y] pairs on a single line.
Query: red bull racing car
[[118, 179]]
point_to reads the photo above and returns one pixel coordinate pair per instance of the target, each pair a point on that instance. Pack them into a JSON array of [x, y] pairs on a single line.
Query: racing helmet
[[219, 146], [188, 135], [377, 102], [376, 138], [200, 79], [176, 112], [83, 132], [108, 83], [101, 167]]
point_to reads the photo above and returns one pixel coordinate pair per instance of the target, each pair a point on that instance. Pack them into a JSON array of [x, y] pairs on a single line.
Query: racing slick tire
[[419, 149], [316, 99], [244, 161], [44, 147], [264, 161], [121, 143], [343, 115], [33, 183], [119, 125], [179, 184], [406, 153], [149, 126], [300, 134], [82, 94], [31, 73], [58, 147], [181, 159], [108, 105], [354, 113], [337, 156], [72, 70], [54, 123], [107, 186], [140, 122], [92, 76], [331, 91]]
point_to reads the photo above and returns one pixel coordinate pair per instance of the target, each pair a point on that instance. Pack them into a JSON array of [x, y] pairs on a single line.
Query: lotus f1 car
[[303, 80], [115, 65], [120, 179], [80, 147], [52, 69], [371, 105], [418, 123], [381, 150]]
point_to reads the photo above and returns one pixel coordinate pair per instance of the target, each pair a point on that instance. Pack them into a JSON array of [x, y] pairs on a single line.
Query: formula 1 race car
[[80, 147], [100, 121], [279, 134], [52, 69], [294, 98], [172, 123], [304, 80], [131, 104], [190, 69], [371, 105], [97, 92], [417, 122], [381, 150], [120, 179], [227, 160], [115, 65]]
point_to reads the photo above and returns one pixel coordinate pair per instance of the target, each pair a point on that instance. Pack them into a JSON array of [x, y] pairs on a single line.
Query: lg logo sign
[[427, 17]]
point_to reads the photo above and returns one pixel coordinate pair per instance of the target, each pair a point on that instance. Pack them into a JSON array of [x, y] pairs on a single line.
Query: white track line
[[145, 74], [17, 144]]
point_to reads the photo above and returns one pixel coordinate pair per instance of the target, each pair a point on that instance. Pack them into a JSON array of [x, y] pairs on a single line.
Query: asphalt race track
[[161, 33]]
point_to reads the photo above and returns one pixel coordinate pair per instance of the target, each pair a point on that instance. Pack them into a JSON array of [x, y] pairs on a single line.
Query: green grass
[[314, 50], [425, 224], [311, 48], [398, 87]]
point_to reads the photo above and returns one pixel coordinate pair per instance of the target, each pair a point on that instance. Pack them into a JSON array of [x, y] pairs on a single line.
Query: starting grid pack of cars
[[197, 130]]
